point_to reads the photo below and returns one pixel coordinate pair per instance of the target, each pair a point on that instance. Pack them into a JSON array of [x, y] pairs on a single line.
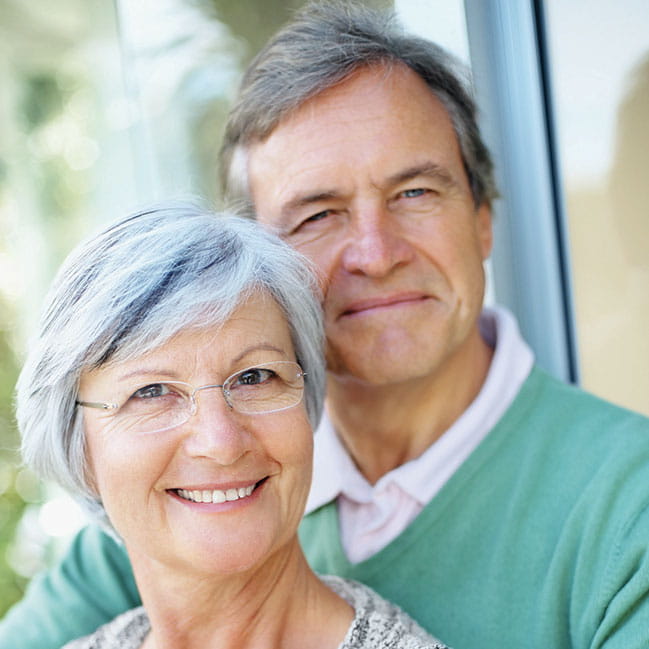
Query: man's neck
[[385, 426]]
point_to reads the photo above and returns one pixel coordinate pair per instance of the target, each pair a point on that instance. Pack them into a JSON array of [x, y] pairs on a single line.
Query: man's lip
[[367, 304]]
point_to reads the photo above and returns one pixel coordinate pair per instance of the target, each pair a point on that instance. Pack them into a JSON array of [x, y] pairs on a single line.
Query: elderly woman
[[173, 388]]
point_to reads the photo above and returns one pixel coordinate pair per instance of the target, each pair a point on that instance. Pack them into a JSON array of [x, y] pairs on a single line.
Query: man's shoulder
[[548, 397], [591, 445], [99, 550], [91, 584]]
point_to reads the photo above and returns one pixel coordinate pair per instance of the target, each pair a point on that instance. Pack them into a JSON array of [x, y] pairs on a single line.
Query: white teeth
[[215, 495]]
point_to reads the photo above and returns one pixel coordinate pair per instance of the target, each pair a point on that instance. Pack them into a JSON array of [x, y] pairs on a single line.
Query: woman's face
[[145, 481]]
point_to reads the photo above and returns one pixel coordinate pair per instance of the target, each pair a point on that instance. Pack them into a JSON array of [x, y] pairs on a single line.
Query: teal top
[[540, 539]]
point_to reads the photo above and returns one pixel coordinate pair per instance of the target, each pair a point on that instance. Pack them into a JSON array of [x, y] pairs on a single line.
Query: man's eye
[[319, 215], [413, 193], [152, 391], [313, 218]]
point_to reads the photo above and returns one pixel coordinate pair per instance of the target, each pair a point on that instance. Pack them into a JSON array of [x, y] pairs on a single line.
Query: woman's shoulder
[[126, 631], [378, 623]]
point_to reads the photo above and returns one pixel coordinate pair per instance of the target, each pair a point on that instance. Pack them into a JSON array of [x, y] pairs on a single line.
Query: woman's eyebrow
[[168, 372], [148, 371], [259, 347]]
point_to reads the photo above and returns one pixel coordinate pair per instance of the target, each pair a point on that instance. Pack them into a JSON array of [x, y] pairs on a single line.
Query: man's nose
[[215, 430], [377, 243]]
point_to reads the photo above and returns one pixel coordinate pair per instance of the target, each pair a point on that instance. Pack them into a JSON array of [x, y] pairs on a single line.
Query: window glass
[[104, 106], [599, 57], [64, 154], [441, 21], [183, 62]]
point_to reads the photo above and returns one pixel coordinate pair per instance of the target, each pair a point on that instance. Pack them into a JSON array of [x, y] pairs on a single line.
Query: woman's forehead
[[257, 329]]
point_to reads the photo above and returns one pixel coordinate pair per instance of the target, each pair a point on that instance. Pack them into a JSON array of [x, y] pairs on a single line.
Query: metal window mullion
[[528, 260]]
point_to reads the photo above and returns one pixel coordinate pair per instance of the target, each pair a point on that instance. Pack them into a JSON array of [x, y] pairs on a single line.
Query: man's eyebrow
[[429, 169], [304, 200]]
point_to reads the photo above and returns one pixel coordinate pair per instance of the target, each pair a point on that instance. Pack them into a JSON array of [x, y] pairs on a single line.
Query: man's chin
[[379, 369]]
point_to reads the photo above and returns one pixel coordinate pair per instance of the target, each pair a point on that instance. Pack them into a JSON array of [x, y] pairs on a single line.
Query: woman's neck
[[281, 604]]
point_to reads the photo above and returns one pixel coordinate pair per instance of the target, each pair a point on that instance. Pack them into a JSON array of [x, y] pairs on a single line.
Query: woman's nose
[[215, 430]]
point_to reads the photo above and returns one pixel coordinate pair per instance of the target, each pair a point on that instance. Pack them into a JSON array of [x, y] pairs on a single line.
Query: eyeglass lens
[[261, 389]]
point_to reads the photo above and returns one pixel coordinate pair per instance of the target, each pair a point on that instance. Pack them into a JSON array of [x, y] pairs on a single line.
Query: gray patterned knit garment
[[377, 624]]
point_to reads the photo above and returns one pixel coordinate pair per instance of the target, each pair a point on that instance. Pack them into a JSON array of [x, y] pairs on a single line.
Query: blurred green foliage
[[12, 505], [38, 186]]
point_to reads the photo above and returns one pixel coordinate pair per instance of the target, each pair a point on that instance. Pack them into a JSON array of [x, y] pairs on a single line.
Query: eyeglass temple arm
[[96, 404]]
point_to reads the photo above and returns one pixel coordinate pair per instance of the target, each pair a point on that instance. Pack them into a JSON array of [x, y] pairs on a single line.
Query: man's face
[[366, 179]]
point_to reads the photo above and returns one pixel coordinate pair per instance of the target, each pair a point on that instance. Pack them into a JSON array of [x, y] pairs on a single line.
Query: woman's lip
[[382, 302]]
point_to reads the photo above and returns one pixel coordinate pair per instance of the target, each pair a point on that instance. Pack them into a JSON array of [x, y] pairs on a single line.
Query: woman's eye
[[253, 376], [152, 391]]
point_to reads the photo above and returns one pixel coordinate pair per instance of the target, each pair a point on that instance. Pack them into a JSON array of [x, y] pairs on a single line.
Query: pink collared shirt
[[373, 515]]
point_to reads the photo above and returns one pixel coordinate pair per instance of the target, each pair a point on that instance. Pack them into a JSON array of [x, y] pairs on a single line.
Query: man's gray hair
[[130, 289], [324, 44]]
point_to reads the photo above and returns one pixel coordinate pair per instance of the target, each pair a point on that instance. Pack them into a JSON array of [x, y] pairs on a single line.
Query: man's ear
[[485, 229]]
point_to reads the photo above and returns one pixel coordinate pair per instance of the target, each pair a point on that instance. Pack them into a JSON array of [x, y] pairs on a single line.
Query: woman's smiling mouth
[[216, 495]]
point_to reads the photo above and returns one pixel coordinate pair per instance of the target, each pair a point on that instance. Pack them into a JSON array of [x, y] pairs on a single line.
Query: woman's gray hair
[[324, 44], [130, 289]]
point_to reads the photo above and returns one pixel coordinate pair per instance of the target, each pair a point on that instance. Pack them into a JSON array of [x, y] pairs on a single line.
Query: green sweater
[[540, 539]]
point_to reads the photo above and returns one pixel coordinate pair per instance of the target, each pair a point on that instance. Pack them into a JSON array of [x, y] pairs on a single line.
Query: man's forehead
[[356, 88], [359, 127]]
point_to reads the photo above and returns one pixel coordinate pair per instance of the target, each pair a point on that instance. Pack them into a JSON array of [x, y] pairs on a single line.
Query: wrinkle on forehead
[[338, 138]]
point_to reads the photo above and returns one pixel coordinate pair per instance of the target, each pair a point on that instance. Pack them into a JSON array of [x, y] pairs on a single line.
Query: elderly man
[[447, 458]]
